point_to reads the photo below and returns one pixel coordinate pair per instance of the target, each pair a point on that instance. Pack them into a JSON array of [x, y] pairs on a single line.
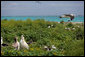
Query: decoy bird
[[23, 43]]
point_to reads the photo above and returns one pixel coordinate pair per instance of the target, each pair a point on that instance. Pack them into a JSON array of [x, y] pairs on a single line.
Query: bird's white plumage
[[16, 44], [48, 26], [66, 28], [78, 26], [1, 40], [48, 48], [53, 47], [45, 47], [72, 14], [73, 28], [51, 25], [23, 43]]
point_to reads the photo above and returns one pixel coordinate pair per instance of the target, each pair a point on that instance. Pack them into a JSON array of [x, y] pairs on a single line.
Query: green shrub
[[75, 48], [70, 25]]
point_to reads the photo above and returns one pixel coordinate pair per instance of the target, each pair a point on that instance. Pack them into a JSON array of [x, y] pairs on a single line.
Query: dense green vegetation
[[67, 42]]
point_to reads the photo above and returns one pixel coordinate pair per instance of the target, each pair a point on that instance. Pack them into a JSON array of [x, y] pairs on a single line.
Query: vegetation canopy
[[43, 33]]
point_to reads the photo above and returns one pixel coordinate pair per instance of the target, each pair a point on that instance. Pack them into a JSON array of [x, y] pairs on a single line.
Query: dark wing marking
[[4, 44]]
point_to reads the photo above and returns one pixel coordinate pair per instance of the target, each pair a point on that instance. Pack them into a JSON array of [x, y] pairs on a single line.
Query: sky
[[41, 8]]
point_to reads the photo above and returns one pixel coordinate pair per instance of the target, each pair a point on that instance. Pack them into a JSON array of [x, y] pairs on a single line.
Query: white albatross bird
[[3, 44], [23, 43], [16, 44]]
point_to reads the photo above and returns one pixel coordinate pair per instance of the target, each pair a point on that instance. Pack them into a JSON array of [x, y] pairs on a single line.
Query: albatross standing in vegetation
[[2, 44], [23, 43], [16, 44]]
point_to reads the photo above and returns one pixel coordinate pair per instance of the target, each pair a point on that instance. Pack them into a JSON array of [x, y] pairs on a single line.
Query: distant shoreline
[[74, 22], [77, 22]]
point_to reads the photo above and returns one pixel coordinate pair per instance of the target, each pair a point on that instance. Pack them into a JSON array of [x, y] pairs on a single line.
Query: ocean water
[[47, 18]]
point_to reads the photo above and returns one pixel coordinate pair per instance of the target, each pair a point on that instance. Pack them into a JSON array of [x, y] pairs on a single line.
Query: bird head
[[16, 38], [22, 37]]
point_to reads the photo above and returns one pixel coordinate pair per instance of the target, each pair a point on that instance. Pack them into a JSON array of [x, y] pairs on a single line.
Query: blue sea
[[47, 18]]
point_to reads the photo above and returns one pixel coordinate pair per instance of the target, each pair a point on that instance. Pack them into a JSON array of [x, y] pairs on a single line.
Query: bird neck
[[23, 39], [1, 39]]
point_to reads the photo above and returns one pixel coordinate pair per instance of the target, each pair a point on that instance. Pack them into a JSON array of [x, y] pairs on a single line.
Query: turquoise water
[[47, 18]]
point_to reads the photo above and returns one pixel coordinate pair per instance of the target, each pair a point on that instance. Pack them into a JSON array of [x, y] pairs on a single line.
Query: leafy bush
[[70, 25], [75, 48]]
